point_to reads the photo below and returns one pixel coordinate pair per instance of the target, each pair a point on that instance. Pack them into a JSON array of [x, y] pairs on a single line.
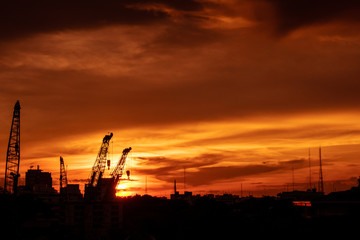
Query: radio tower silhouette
[[321, 180]]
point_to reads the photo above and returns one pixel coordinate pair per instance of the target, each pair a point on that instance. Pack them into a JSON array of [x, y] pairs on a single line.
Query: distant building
[[38, 181], [227, 198], [301, 195], [186, 196]]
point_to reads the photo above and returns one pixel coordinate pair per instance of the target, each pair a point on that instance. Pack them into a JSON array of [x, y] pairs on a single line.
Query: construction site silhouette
[[37, 211]]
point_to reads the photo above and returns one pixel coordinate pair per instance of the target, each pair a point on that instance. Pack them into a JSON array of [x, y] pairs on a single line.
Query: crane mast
[[13, 153], [100, 162], [119, 169], [63, 175]]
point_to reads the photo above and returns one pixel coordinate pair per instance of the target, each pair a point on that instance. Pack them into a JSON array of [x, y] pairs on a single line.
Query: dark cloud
[[212, 174], [201, 169], [166, 166], [209, 175], [294, 14], [185, 5], [22, 18], [192, 36]]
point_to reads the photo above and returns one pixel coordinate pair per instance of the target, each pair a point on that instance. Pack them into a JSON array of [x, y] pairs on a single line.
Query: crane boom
[[100, 162], [119, 169]]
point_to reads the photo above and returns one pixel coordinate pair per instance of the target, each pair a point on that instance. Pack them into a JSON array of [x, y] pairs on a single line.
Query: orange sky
[[235, 92]]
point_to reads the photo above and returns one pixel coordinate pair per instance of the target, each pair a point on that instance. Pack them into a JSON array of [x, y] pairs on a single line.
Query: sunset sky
[[235, 92]]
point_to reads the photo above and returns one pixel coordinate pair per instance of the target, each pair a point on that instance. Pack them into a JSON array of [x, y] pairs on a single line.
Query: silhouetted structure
[[321, 179], [301, 195], [92, 220], [13, 153], [92, 190], [100, 163], [38, 181], [63, 175], [71, 193], [185, 217], [105, 188]]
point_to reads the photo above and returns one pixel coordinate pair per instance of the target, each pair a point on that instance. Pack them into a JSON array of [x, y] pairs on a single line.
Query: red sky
[[235, 92]]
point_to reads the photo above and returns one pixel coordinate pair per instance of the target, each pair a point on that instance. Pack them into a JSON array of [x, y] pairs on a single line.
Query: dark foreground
[[31, 217]]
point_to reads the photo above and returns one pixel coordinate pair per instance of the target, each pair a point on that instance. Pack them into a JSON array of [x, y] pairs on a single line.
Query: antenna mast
[[145, 185], [184, 181], [174, 186], [309, 170], [293, 178], [321, 180]]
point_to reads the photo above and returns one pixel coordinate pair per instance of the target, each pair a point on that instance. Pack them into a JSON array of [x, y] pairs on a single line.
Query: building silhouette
[[38, 181]]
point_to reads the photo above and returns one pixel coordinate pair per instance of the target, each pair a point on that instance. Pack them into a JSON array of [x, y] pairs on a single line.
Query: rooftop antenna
[[241, 191], [321, 180], [293, 178], [174, 186], [145, 185], [309, 170], [184, 181]]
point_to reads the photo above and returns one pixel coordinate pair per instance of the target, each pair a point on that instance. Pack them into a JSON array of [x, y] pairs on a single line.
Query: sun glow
[[122, 189]]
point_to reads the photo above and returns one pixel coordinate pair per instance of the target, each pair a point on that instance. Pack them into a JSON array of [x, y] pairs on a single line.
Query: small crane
[[119, 169]]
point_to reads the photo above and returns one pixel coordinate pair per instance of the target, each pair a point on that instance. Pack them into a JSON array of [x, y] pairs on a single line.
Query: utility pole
[[13, 154]]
